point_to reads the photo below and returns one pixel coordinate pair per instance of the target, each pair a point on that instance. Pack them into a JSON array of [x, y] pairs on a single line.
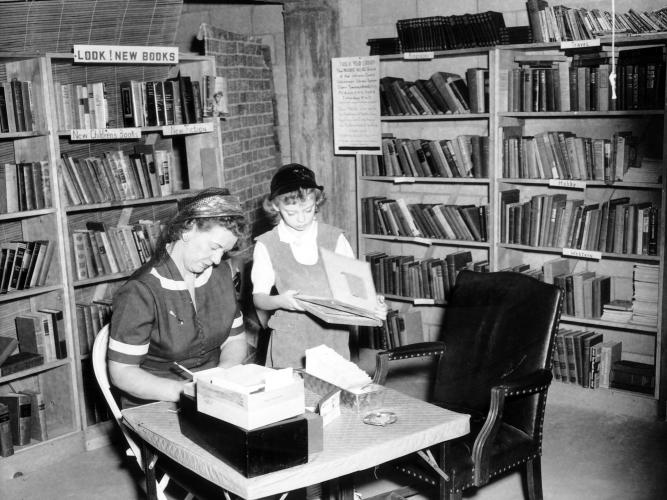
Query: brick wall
[[249, 142]]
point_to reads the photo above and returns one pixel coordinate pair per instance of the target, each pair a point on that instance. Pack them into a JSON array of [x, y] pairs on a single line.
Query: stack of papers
[[326, 364]]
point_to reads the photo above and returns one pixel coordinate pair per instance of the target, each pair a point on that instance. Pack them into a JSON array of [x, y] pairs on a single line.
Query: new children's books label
[[96, 134]]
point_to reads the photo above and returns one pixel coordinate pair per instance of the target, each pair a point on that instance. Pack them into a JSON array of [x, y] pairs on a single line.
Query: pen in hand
[[185, 370]]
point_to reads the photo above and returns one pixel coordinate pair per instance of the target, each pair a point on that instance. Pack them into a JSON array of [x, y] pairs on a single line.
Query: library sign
[[125, 54]]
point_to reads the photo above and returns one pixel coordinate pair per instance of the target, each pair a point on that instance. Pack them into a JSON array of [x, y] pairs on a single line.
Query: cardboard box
[[372, 397], [254, 452], [250, 407]]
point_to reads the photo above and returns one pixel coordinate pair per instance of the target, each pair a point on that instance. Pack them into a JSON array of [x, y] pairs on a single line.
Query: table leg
[[149, 458]]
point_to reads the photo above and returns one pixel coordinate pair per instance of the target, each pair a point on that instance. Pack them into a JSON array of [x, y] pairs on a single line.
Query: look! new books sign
[[356, 105], [125, 54]]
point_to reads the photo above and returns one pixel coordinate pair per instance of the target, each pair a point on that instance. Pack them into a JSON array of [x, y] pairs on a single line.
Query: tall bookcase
[[641, 343], [76, 416], [420, 189]]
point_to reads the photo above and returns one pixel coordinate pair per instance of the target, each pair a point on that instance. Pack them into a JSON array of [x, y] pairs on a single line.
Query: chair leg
[[533, 477]]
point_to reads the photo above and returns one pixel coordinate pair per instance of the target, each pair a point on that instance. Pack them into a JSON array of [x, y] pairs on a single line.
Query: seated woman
[[181, 306]]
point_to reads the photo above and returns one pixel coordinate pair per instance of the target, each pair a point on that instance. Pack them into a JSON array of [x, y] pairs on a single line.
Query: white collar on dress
[[288, 235], [169, 284]]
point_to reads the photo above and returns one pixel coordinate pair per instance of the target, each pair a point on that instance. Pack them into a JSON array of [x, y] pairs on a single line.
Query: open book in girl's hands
[[352, 299]]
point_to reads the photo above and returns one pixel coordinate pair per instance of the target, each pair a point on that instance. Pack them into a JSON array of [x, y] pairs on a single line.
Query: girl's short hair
[[299, 196]]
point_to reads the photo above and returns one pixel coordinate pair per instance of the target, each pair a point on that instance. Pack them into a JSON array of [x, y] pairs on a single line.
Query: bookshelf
[[55, 378], [418, 191], [512, 179], [91, 197]]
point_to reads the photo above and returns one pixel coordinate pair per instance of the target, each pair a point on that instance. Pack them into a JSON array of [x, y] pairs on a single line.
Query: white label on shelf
[[423, 302], [423, 241], [418, 55], [403, 180], [189, 128], [96, 134], [583, 254], [567, 183], [580, 44], [124, 54]]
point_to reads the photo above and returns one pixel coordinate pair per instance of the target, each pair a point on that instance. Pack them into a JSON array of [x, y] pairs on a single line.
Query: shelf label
[[567, 183], [423, 241], [582, 254], [97, 134], [404, 180], [189, 128], [411, 56], [124, 54], [579, 44], [423, 302]]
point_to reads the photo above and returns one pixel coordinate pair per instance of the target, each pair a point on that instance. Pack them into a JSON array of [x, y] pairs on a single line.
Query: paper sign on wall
[[356, 105]]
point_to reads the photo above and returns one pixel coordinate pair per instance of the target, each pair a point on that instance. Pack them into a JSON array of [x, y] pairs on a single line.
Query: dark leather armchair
[[494, 363]]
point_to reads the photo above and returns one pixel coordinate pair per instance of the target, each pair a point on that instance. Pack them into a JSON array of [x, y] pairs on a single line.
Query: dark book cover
[[6, 441], [19, 416], [17, 99]]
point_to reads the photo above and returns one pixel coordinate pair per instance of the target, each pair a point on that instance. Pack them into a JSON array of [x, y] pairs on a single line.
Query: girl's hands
[[381, 307], [287, 301]]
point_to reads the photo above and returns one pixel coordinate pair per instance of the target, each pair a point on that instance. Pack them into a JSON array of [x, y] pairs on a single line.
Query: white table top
[[349, 444]]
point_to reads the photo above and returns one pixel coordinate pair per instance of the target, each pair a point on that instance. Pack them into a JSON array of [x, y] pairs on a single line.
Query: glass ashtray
[[380, 417]]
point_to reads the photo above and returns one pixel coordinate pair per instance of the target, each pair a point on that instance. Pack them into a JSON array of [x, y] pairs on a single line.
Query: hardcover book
[[351, 298]]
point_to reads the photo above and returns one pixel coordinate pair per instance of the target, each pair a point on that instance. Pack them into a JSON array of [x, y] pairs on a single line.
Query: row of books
[[614, 226], [42, 332], [464, 156], [22, 419], [17, 112], [399, 329], [584, 293], [175, 101], [556, 82], [450, 32], [430, 278], [560, 23], [25, 186], [101, 249], [82, 106], [564, 155], [90, 318], [118, 176], [646, 290], [395, 217], [24, 264], [582, 357], [442, 93]]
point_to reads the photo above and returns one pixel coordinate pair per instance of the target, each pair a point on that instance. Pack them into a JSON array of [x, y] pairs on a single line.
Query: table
[[349, 445]]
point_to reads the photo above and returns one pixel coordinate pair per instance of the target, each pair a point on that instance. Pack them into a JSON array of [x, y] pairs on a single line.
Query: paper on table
[[326, 364]]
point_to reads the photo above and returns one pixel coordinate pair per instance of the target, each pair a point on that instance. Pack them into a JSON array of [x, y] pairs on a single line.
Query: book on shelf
[[19, 362], [38, 430], [20, 415], [610, 352], [633, 376], [30, 334], [351, 298], [59, 334], [6, 441]]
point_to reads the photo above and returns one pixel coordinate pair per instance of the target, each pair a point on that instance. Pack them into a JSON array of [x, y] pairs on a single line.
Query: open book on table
[[352, 299]]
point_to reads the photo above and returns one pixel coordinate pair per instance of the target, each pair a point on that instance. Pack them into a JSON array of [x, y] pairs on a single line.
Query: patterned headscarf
[[212, 202]]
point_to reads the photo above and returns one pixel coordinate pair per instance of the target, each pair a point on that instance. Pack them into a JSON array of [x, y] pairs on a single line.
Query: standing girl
[[287, 258]]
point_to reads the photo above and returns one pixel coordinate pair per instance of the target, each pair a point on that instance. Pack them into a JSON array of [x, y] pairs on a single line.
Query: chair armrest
[[524, 386], [417, 350]]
